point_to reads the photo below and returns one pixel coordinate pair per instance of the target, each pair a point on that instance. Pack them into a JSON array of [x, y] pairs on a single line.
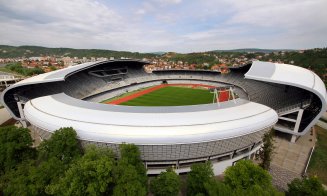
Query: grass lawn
[[4, 69], [172, 96], [318, 163], [125, 94]]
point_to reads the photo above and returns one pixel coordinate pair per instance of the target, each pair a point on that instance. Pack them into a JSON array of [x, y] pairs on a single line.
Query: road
[[322, 124], [4, 116]]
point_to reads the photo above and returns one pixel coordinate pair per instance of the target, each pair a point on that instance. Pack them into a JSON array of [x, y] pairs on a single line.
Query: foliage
[[130, 174], [15, 147], [306, 187], [53, 68], [245, 174], [194, 58], [318, 162], [30, 51], [62, 169], [16, 181], [127, 180], [268, 149], [18, 68], [215, 187], [91, 174], [31, 177], [63, 145], [200, 174], [166, 184], [130, 155]]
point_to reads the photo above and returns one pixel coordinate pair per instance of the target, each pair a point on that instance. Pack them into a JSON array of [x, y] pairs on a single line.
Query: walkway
[[290, 159], [4, 116], [322, 124]]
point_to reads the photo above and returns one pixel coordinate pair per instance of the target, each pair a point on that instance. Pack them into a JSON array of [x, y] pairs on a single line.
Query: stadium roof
[[61, 74], [149, 125], [293, 76]]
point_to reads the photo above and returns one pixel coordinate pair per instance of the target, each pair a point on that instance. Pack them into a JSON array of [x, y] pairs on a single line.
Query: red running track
[[149, 90]]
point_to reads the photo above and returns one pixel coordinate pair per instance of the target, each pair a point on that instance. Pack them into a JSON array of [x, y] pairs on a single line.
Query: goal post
[[224, 93]]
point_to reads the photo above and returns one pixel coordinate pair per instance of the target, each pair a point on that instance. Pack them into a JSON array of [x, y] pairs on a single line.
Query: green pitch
[[172, 96]]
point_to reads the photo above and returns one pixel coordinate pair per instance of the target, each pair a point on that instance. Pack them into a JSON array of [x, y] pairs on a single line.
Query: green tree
[[127, 181], [166, 184], [15, 147], [32, 177], [246, 174], [215, 187], [63, 145], [306, 187], [131, 155], [200, 174], [130, 173], [92, 174], [52, 68], [268, 149], [16, 181]]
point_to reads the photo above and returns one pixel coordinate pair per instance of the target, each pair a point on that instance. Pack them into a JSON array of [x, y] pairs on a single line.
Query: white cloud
[[168, 2], [165, 25]]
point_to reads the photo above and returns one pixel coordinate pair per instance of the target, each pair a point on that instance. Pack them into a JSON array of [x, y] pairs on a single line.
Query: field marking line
[[149, 90], [135, 95]]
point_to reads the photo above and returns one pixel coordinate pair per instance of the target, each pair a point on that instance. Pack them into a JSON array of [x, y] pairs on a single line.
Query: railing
[[7, 77], [294, 106], [307, 165]]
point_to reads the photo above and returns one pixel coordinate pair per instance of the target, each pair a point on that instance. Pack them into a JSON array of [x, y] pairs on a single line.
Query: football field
[[172, 96]]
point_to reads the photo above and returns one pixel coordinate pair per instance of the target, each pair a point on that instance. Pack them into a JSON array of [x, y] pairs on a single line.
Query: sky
[[165, 25]]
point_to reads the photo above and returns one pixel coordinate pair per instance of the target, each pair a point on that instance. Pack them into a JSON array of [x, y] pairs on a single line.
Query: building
[[171, 136]]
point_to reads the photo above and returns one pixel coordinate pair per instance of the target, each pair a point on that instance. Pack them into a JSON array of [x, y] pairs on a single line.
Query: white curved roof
[[61, 74], [149, 125], [55, 76], [293, 76]]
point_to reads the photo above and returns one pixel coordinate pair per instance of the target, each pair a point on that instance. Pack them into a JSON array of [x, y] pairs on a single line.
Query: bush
[[200, 174], [167, 183], [246, 174], [306, 187], [15, 147], [18, 68]]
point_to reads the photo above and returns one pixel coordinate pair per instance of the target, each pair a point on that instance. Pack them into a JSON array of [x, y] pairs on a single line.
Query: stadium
[[250, 100]]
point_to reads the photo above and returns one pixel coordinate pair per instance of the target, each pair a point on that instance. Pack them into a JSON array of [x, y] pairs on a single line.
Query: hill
[[32, 51], [254, 50]]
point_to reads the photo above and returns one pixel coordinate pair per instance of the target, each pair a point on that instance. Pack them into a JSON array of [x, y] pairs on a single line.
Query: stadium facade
[[289, 98]]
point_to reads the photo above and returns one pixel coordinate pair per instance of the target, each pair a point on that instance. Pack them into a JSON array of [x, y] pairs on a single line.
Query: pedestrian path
[[290, 159]]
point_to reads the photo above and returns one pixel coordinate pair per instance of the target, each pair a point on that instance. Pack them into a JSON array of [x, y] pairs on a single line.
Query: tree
[[166, 184], [268, 150], [130, 173], [127, 181], [15, 147], [130, 154], [215, 187], [92, 174], [32, 177], [306, 187], [245, 174], [200, 174], [63, 145]]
